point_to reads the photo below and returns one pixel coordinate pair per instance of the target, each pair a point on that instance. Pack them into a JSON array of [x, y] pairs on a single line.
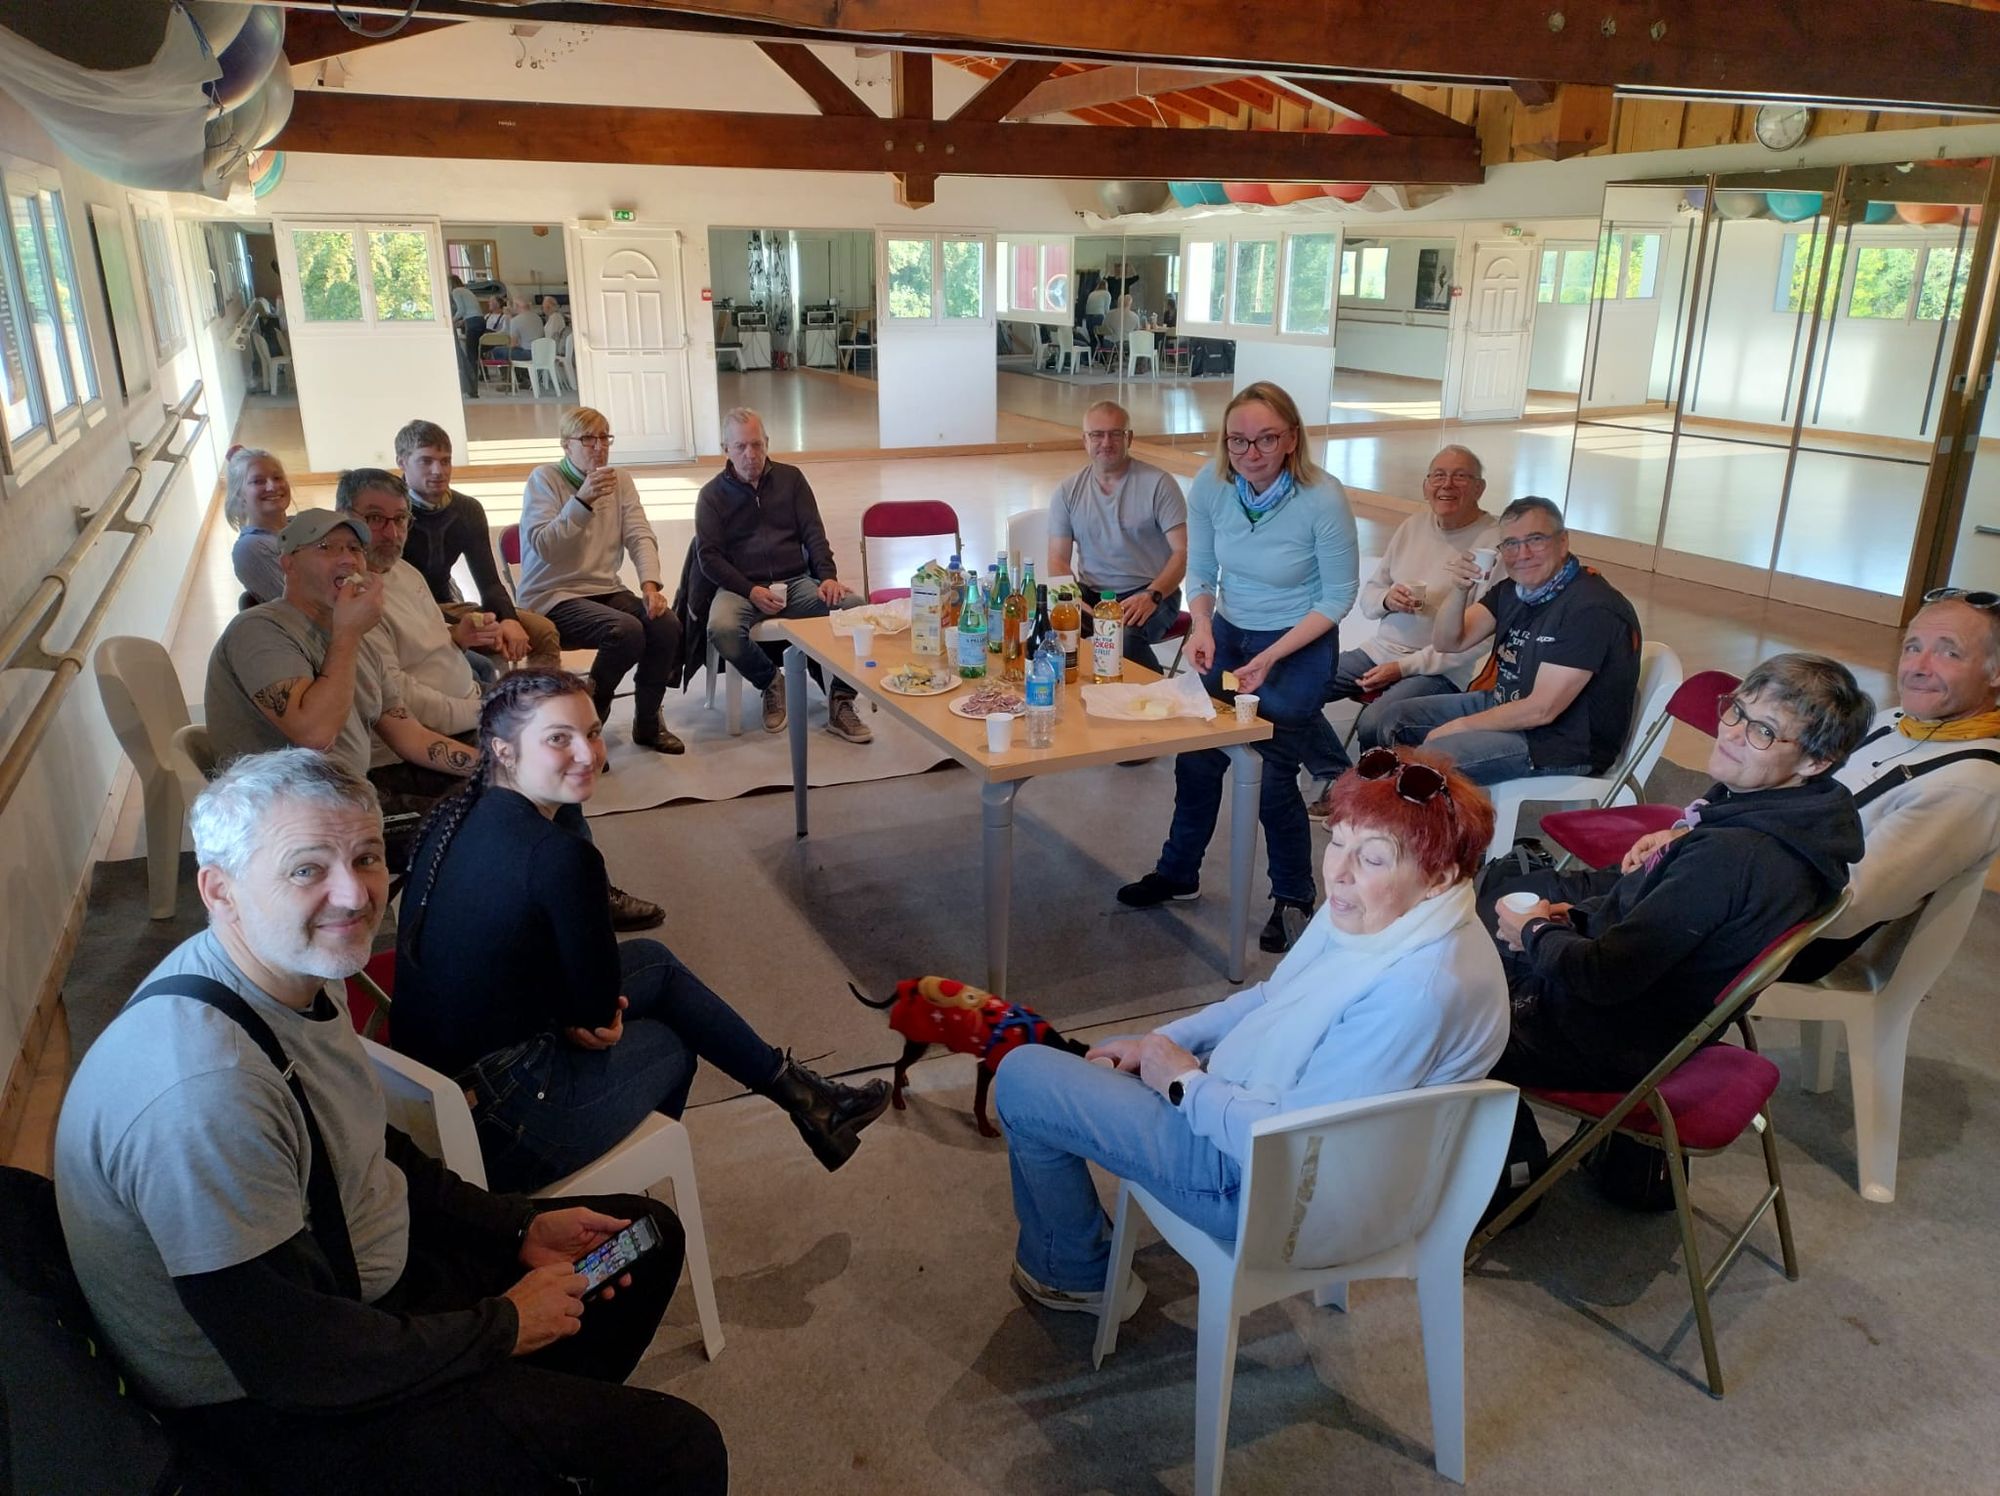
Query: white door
[[631, 339], [1618, 368], [1499, 321]]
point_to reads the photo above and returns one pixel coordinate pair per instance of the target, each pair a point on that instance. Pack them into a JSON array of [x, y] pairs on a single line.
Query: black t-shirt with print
[[1587, 626]]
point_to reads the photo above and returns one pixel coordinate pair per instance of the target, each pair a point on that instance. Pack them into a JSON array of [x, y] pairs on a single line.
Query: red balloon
[[1348, 124], [1248, 192], [1294, 192]]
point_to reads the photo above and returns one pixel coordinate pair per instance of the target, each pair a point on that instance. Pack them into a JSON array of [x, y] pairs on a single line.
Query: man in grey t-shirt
[[1128, 523], [183, 1169]]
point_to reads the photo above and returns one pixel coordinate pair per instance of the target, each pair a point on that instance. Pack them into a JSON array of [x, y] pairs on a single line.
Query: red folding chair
[[904, 519], [1698, 1100], [1179, 632], [510, 553], [1600, 837]]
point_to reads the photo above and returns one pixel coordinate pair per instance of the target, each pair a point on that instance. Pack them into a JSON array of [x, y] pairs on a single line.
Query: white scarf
[[1326, 970]]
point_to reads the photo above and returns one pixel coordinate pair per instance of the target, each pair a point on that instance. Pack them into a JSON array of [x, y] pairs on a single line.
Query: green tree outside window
[[329, 280], [399, 260], [911, 278]]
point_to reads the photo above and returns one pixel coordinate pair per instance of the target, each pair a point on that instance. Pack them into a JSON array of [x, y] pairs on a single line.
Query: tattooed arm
[[310, 710], [417, 744]]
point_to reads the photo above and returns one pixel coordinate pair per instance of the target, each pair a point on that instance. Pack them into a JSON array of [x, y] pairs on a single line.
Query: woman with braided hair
[[509, 978]]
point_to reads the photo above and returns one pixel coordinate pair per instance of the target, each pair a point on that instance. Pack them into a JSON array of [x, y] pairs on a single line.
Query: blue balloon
[[1790, 207], [1186, 194], [247, 61], [273, 174], [1879, 213], [1697, 198], [1212, 193]]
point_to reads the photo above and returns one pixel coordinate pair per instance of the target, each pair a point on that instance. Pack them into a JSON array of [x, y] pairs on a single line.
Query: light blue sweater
[[1437, 1016], [1302, 558]]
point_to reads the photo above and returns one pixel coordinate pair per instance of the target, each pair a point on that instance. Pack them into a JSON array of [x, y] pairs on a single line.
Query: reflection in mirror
[[1395, 309], [510, 288], [795, 333]]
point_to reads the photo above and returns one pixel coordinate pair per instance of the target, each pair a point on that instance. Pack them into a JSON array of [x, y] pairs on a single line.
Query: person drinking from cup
[[1557, 696], [1398, 661], [1392, 985], [1272, 565]]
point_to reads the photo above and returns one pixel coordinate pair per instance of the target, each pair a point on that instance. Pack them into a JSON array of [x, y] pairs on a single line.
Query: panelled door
[[631, 339], [1499, 326]]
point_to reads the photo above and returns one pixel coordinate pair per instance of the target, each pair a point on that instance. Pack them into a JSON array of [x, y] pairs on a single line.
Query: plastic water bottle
[[1041, 693], [1050, 650]]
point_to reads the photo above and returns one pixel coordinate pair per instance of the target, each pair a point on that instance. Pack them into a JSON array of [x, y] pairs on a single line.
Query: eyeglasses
[[1985, 601], [387, 521], [1439, 475], [1267, 443], [1534, 542], [596, 439], [1760, 735], [1417, 783], [1114, 434]]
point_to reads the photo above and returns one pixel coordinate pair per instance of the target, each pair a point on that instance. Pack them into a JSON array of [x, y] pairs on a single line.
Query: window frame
[[55, 429], [1354, 299], [1272, 331], [1042, 312], [358, 230], [163, 303], [492, 257], [936, 317]]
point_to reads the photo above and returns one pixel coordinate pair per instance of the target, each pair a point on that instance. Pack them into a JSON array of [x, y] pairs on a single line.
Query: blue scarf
[[1256, 506], [1536, 596]]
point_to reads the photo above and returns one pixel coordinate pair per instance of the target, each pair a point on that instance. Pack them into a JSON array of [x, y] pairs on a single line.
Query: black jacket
[[438, 537], [1643, 959], [748, 537]]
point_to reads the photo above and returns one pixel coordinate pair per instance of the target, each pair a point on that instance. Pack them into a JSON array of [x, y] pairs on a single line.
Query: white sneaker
[[1064, 1301]]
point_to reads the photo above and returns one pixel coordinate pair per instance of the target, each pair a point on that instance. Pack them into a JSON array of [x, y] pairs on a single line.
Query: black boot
[[828, 1115]]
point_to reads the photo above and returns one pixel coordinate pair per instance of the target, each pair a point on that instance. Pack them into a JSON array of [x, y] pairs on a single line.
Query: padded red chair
[[903, 519], [1179, 632], [368, 996], [510, 552], [1699, 1099], [1600, 837]]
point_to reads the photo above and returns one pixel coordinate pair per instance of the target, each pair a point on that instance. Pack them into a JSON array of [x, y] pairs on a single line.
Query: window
[[1545, 285], [472, 259], [1207, 280], [1642, 266], [162, 296], [1255, 299], [1032, 278], [1055, 276], [207, 290], [1364, 273], [1945, 274], [1798, 270], [1626, 266], [1309, 283], [1579, 268], [937, 278], [362, 275], [47, 372], [1884, 277]]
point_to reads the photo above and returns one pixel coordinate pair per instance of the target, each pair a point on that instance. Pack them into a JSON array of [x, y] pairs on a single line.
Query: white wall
[[47, 830], [1391, 336], [939, 385], [531, 264], [729, 265], [1303, 370]]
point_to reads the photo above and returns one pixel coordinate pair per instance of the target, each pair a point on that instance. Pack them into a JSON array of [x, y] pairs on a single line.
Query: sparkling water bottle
[[1041, 693]]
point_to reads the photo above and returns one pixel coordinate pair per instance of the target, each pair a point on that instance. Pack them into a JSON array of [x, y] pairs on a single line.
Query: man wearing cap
[[303, 670]]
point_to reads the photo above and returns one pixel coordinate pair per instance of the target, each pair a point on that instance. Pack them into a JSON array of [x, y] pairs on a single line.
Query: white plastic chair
[[566, 360], [1028, 538], [1140, 345], [766, 632], [542, 361], [1383, 1187], [142, 697], [431, 1109], [1876, 1020], [1624, 783], [1071, 355]]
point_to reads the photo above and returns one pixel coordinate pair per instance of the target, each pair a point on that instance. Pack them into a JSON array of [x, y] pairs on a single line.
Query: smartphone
[[605, 1262]]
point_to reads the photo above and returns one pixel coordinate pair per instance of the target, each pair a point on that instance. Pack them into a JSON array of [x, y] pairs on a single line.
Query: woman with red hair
[[1392, 985]]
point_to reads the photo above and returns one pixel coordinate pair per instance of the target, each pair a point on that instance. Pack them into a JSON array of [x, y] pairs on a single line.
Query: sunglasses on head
[[1988, 601], [1417, 783]]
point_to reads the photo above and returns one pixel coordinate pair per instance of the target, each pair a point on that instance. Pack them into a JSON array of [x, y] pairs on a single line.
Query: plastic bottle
[[926, 615], [1041, 694], [1107, 640], [954, 591], [1050, 652], [972, 633], [1066, 618]]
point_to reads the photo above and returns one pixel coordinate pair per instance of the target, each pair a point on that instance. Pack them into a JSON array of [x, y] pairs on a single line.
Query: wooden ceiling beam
[[314, 36], [1887, 54], [1380, 106], [910, 81], [1108, 85], [1006, 90], [1256, 95], [351, 123], [826, 88]]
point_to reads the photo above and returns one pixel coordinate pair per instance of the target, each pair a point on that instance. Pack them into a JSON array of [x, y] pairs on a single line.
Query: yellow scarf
[[1957, 730]]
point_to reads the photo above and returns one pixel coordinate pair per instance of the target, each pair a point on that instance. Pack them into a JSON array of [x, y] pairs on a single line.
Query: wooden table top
[[1081, 740]]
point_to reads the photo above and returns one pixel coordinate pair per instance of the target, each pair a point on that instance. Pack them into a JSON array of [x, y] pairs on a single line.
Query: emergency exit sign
[[622, 215]]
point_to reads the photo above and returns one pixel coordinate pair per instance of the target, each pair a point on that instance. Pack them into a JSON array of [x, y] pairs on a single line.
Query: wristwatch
[[1177, 1087], [1154, 594]]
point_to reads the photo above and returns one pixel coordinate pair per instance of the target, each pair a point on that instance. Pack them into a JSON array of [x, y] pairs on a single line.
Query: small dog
[[966, 1020]]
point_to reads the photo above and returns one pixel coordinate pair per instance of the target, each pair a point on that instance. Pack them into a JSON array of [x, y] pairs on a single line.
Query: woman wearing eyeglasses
[[1614, 968], [1272, 565], [1392, 985]]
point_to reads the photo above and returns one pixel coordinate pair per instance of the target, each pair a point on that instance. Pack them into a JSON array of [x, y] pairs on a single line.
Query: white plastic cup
[[1246, 708], [1420, 594], [1520, 903], [999, 731], [1484, 558], [864, 641]]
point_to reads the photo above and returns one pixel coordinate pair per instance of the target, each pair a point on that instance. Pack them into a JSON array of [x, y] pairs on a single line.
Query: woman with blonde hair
[[1272, 565], [255, 495]]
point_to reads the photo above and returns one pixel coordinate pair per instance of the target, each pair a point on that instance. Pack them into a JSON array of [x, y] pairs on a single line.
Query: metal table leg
[[997, 837], [795, 719], [1246, 776]]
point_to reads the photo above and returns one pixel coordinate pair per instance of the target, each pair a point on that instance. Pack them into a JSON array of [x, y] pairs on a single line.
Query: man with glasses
[[1557, 696], [1127, 522], [1398, 662], [760, 541], [580, 519]]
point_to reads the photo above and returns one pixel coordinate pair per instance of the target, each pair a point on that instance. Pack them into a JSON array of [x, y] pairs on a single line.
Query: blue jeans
[[1484, 755], [731, 616], [546, 1108], [1289, 698], [1063, 1113], [1324, 757]]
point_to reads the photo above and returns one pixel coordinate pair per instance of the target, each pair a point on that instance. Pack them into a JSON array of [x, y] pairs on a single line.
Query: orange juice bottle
[[1066, 618], [1107, 639]]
